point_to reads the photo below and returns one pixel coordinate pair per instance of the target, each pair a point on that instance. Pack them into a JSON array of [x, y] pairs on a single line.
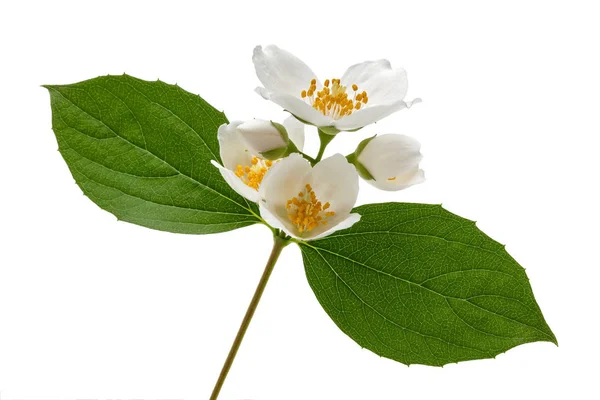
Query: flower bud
[[263, 136], [392, 161]]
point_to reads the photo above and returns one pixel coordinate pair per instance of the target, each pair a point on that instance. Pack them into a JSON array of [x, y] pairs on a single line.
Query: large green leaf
[[417, 284], [141, 150]]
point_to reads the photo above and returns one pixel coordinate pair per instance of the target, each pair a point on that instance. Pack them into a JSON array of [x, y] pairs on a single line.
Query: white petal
[[401, 181], [280, 71], [232, 149], [260, 136], [295, 131], [283, 181], [362, 72], [236, 183], [368, 115], [335, 180], [383, 84], [275, 221], [301, 109], [344, 224], [263, 92]]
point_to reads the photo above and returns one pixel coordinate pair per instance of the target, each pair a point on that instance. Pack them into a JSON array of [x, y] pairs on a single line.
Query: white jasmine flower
[[366, 93], [393, 161], [243, 167], [310, 202]]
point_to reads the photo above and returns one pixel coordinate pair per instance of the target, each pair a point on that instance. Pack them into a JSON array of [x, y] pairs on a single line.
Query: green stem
[[325, 139], [309, 158], [279, 242]]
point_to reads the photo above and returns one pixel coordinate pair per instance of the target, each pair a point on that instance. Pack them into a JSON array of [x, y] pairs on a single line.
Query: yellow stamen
[[306, 212], [391, 179], [332, 100], [253, 175]]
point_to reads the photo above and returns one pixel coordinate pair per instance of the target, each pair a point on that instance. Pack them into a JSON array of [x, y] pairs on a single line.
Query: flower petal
[[344, 224], [280, 71], [260, 136], [383, 84], [231, 146], [283, 181], [368, 115], [401, 182], [389, 155], [236, 183], [335, 180], [295, 130], [299, 108], [275, 221]]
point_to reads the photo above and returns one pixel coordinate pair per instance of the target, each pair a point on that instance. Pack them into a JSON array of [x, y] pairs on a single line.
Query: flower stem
[[325, 139], [279, 242], [309, 158]]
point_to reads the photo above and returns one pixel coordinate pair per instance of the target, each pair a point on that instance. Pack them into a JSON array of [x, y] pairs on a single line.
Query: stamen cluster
[[254, 174], [306, 211], [334, 101]]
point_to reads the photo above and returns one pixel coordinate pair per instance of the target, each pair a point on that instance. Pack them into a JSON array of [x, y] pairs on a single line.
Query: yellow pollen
[[333, 100], [391, 179], [306, 212], [253, 175]]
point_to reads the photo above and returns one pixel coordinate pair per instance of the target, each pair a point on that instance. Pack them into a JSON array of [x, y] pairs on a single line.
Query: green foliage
[[417, 284], [141, 150]]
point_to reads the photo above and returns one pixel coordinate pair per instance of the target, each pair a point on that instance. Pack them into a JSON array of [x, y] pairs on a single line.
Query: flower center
[[252, 175], [306, 211], [334, 101]]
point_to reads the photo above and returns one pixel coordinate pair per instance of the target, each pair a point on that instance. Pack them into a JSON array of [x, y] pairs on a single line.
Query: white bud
[[261, 136], [393, 161]]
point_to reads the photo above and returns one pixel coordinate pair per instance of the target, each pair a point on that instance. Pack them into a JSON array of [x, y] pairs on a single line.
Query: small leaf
[[417, 284], [142, 150]]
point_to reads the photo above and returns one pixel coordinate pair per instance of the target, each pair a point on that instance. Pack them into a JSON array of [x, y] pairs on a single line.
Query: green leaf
[[141, 150], [417, 284]]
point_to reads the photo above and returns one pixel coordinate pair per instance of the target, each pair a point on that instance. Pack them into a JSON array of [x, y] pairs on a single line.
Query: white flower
[[393, 161], [244, 169], [366, 93], [310, 202], [263, 136]]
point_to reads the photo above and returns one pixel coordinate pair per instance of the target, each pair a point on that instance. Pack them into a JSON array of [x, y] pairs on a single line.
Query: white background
[[509, 125]]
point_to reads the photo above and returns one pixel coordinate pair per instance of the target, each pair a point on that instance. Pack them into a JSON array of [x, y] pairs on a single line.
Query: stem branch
[[279, 242], [325, 139]]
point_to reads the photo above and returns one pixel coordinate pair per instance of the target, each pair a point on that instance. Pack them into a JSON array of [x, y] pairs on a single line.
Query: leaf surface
[[141, 150], [417, 284]]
